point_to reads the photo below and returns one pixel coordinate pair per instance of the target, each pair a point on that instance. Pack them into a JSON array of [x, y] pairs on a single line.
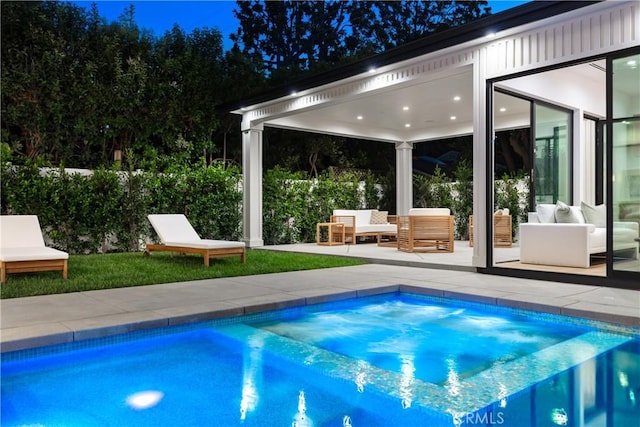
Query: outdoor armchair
[[426, 229]]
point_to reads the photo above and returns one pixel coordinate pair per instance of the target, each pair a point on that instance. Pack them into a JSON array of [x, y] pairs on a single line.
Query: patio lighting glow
[[294, 93], [632, 63], [490, 35], [372, 70]]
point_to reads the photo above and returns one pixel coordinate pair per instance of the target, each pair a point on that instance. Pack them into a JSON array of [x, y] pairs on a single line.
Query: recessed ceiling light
[[502, 109], [372, 70], [294, 93], [453, 117], [405, 108], [359, 117], [407, 125], [491, 35], [456, 98]]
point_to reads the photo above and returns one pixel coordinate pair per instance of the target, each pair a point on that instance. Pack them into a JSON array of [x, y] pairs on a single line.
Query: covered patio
[[467, 81]]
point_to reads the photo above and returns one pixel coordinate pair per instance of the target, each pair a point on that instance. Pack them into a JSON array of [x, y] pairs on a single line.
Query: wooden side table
[[335, 233]]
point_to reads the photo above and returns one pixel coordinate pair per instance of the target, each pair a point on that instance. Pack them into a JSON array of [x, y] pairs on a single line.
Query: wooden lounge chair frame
[[207, 254], [192, 243]]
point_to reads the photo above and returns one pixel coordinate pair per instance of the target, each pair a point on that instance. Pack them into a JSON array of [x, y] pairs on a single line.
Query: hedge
[[106, 210]]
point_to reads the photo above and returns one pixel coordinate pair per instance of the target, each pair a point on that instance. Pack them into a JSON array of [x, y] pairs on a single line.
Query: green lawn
[[118, 270]]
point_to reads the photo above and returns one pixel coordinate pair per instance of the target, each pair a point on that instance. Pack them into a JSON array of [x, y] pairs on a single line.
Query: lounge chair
[[22, 247], [177, 235]]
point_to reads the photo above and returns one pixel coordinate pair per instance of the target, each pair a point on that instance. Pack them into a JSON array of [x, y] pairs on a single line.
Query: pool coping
[[97, 326]]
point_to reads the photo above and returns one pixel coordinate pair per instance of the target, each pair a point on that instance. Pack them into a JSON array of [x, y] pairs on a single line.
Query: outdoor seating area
[[426, 229], [177, 235], [22, 248]]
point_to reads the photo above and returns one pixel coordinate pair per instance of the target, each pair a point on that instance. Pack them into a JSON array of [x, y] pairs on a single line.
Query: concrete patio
[[52, 319]]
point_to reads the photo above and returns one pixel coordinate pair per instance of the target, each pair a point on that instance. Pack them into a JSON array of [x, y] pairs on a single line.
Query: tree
[[385, 24], [289, 37]]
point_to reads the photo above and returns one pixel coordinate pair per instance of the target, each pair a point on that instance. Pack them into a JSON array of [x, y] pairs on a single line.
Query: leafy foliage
[[507, 194]]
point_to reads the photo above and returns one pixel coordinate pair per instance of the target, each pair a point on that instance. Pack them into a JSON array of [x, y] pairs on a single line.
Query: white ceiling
[[431, 106]]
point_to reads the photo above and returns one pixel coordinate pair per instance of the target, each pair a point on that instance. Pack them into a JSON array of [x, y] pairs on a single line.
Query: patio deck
[[52, 319]]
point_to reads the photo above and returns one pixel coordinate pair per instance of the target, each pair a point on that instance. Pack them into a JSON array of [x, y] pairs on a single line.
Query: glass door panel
[[552, 155], [625, 161]]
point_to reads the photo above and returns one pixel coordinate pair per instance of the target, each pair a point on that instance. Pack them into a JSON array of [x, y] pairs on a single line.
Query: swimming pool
[[397, 359]]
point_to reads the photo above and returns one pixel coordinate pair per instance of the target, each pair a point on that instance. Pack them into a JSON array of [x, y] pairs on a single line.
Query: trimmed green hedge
[[107, 209]]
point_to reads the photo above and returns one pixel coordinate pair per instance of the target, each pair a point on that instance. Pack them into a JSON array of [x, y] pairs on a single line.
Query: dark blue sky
[[159, 16]]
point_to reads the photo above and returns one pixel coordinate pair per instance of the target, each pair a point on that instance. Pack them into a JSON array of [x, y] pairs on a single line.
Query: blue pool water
[[397, 360]]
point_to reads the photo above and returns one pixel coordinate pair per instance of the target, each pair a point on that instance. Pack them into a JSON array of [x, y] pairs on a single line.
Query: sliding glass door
[[551, 154], [624, 151]]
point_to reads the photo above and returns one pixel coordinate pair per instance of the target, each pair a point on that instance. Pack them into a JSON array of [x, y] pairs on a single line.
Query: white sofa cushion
[[596, 215], [568, 214], [429, 211], [362, 216], [546, 213], [377, 228]]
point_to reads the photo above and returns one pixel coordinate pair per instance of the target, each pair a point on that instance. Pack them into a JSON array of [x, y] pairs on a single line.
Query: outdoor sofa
[[561, 235], [364, 222]]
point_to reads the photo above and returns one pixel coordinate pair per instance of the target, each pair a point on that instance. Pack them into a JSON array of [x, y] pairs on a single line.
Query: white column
[[480, 115], [404, 177], [252, 183]]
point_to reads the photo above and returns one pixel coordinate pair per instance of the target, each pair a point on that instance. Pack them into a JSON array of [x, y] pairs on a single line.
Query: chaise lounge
[[177, 235], [22, 248]]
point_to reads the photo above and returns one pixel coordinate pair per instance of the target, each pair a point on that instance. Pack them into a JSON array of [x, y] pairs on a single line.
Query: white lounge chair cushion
[[207, 244], [176, 230], [20, 231], [31, 254]]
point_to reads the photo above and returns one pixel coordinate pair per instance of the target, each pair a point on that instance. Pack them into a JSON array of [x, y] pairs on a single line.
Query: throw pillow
[[379, 217], [568, 214], [498, 212], [546, 213], [596, 215]]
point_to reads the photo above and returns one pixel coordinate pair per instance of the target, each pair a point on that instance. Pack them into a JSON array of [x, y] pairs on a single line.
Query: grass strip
[[119, 270]]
